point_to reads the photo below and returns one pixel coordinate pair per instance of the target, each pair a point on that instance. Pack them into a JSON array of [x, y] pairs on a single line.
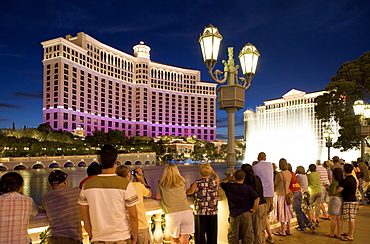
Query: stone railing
[[154, 215], [39, 223]]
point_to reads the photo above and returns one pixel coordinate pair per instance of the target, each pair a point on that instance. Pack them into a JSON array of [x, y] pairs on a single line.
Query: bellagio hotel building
[[90, 85]]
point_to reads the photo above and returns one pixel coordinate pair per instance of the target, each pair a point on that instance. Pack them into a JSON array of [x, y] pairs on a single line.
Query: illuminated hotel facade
[[294, 110], [91, 85], [287, 127]]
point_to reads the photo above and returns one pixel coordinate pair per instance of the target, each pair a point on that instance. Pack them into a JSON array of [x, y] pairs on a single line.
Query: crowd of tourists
[[111, 205]]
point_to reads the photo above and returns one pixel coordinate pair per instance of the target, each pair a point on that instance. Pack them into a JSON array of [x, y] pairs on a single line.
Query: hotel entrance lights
[[363, 131], [230, 96], [328, 135]]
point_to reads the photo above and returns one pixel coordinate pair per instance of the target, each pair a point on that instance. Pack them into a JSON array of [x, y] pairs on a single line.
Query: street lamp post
[[328, 135], [230, 96], [363, 131]]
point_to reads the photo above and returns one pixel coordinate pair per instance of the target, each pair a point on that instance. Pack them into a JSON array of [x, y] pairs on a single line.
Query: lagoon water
[[36, 180]]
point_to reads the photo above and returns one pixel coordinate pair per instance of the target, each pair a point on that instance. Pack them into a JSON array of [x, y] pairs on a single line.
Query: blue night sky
[[302, 43]]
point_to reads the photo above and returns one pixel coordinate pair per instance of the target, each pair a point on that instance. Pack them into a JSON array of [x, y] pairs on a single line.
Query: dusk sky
[[302, 43]]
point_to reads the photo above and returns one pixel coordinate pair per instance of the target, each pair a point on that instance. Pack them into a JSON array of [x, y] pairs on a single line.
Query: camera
[[135, 171]]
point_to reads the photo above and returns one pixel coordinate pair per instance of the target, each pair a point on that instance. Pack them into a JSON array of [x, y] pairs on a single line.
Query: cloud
[[239, 136], [224, 137], [221, 136], [222, 123], [37, 95], [240, 123], [6, 105]]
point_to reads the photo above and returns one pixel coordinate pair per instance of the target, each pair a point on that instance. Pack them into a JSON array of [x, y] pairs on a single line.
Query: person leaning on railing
[[205, 205], [171, 190], [15, 210]]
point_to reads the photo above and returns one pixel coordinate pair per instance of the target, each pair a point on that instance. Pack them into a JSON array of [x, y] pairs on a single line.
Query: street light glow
[[210, 42], [248, 57]]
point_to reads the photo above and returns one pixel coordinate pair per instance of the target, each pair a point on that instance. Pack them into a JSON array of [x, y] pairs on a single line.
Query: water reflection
[[36, 180]]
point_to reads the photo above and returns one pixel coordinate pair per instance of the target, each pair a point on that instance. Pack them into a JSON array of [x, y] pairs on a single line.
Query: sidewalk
[[361, 236]]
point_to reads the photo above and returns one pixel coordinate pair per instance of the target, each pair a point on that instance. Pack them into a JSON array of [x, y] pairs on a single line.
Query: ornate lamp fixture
[[230, 96]]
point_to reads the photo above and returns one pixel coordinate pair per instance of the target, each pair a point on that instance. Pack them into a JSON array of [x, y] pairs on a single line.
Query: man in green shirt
[[314, 188]]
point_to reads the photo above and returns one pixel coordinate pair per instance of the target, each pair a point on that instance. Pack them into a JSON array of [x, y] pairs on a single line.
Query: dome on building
[[142, 51]]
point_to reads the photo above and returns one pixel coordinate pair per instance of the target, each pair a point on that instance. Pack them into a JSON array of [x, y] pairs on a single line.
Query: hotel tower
[[91, 86]]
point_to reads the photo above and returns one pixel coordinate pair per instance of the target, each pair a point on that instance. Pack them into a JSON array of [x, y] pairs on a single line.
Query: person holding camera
[[142, 190]]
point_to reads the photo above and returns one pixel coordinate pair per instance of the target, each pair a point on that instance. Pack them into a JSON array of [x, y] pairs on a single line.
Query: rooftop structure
[[91, 85]]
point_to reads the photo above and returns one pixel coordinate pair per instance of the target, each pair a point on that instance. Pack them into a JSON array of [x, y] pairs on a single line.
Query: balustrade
[[155, 219], [39, 224]]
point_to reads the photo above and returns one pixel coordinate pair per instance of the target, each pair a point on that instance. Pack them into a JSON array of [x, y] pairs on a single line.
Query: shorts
[[349, 211], [62, 240], [128, 241], [143, 236], [180, 223], [269, 204], [325, 195]]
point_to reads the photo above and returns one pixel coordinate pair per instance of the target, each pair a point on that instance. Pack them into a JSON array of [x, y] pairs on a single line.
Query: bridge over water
[[21, 163]]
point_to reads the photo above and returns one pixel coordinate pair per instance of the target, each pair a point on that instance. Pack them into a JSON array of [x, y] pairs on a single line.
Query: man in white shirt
[[106, 200], [264, 170]]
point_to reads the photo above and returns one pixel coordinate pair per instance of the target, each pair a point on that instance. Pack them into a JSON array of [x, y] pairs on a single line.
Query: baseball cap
[[56, 177]]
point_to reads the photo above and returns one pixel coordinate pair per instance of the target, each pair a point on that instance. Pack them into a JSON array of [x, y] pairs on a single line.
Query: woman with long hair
[[335, 205], [282, 211], [15, 210], [171, 190]]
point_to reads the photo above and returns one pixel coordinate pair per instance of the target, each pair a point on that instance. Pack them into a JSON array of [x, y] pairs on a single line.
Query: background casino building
[[90, 85]]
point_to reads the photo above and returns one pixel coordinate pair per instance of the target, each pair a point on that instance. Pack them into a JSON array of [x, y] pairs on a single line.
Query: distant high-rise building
[[99, 88], [287, 127]]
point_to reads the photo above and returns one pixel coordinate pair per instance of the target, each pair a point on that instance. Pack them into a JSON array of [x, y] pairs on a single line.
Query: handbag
[[289, 198]]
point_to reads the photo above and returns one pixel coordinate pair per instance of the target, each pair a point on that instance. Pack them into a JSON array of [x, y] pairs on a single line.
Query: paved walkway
[[361, 236]]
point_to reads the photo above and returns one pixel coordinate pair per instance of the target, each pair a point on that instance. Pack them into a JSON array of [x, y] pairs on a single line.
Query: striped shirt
[[15, 213], [107, 196], [63, 212], [324, 178]]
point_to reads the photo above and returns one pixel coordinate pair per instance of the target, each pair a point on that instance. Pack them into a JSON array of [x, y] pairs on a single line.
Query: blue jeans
[[361, 190], [302, 219]]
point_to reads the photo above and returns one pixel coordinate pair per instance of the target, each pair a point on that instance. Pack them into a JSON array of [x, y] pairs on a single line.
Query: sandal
[[326, 218], [346, 238], [278, 234], [332, 236], [288, 233], [299, 229]]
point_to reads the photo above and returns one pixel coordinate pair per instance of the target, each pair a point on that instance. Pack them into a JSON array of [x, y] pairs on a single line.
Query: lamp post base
[[230, 161]]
